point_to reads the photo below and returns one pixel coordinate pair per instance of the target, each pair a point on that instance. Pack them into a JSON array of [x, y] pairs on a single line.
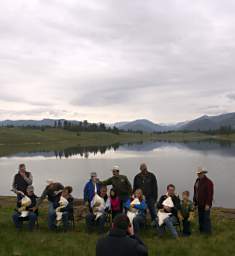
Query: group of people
[[125, 206]]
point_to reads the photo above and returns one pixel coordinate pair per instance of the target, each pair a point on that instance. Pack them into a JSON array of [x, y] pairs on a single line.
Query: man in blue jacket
[[92, 187]]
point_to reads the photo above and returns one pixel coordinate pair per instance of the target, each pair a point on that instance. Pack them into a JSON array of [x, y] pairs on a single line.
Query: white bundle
[[63, 204], [98, 205], [25, 202], [132, 212], [164, 215]]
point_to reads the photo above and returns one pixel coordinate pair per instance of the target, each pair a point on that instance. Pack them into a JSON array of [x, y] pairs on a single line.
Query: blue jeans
[[152, 209], [186, 227], [204, 220], [65, 220], [169, 223], [51, 216], [138, 222], [18, 221]]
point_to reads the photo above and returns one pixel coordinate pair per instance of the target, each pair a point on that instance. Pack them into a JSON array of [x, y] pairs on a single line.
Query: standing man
[[22, 180], [203, 197], [91, 188], [147, 182], [120, 184]]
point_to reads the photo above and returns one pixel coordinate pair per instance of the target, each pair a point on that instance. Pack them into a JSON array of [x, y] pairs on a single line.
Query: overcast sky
[[105, 60]]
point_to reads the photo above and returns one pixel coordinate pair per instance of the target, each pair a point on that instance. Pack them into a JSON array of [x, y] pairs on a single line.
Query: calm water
[[171, 162]]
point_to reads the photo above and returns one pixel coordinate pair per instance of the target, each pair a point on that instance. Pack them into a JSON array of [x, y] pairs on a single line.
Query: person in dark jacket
[[121, 241], [172, 219], [120, 184], [203, 197], [22, 180], [52, 192], [91, 188], [67, 212], [31, 216], [147, 182]]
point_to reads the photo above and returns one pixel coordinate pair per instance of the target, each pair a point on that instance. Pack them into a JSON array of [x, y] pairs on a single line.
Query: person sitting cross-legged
[[168, 207], [136, 207], [24, 212], [100, 206]]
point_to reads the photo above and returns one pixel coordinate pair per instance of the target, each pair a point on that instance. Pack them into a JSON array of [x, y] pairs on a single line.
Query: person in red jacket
[[203, 197]]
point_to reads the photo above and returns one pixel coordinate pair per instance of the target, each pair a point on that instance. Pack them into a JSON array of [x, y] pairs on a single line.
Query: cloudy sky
[[115, 60]]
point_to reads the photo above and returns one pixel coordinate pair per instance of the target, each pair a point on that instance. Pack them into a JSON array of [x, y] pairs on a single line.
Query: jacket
[[120, 184], [140, 207], [20, 183], [53, 195], [186, 210], [203, 192], [176, 202], [148, 184], [89, 191], [118, 243]]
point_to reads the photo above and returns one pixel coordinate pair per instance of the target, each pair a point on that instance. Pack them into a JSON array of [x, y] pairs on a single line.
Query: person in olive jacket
[[120, 184], [147, 182], [121, 241]]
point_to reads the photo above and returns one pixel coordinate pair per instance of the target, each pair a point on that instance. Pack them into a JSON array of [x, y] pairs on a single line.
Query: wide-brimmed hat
[[116, 168], [201, 170], [93, 174]]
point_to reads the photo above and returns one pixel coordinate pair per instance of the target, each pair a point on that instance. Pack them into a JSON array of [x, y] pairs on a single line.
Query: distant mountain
[[37, 123], [206, 123], [203, 123]]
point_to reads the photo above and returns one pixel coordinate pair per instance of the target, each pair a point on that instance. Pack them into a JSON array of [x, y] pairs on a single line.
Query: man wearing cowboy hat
[[203, 197], [120, 184]]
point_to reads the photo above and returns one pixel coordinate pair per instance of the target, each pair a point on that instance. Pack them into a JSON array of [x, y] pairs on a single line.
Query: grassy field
[[14, 140], [78, 242]]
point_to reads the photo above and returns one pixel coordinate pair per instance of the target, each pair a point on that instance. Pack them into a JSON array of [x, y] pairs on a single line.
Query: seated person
[[24, 210], [53, 193], [169, 205], [116, 205], [136, 210], [121, 241], [186, 213], [100, 206], [64, 208]]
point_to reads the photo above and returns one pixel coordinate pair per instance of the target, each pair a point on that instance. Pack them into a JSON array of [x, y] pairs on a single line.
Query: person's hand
[[20, 193], [34, 209], [207, 207], [167, 208]]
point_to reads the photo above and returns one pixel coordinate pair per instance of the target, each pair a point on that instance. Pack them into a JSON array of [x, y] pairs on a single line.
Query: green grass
[[78, 242], [14, 140]]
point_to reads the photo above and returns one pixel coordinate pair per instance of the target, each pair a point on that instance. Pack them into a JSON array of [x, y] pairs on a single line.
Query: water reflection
[[220, 147]]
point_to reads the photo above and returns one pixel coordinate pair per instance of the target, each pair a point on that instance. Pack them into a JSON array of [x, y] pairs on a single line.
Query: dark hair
[[186, 192], [121, 221], [69, 189], [21, 165], [170, 186], [114, 191]]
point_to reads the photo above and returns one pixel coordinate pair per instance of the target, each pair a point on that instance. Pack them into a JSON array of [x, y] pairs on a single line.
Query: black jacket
[[21, 184], [148, 184], [176, 202], [117, 243]]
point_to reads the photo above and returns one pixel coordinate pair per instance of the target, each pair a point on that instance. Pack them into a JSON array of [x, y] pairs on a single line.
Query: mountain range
[[203, 123]]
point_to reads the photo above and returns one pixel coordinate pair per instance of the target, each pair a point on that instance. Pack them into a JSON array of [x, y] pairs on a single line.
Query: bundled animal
[[63, 203], [162, 215], [132, 212], [98, 206], [25, 202]]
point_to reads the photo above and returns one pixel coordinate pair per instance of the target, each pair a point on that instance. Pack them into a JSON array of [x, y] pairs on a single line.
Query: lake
[[171, 162]]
